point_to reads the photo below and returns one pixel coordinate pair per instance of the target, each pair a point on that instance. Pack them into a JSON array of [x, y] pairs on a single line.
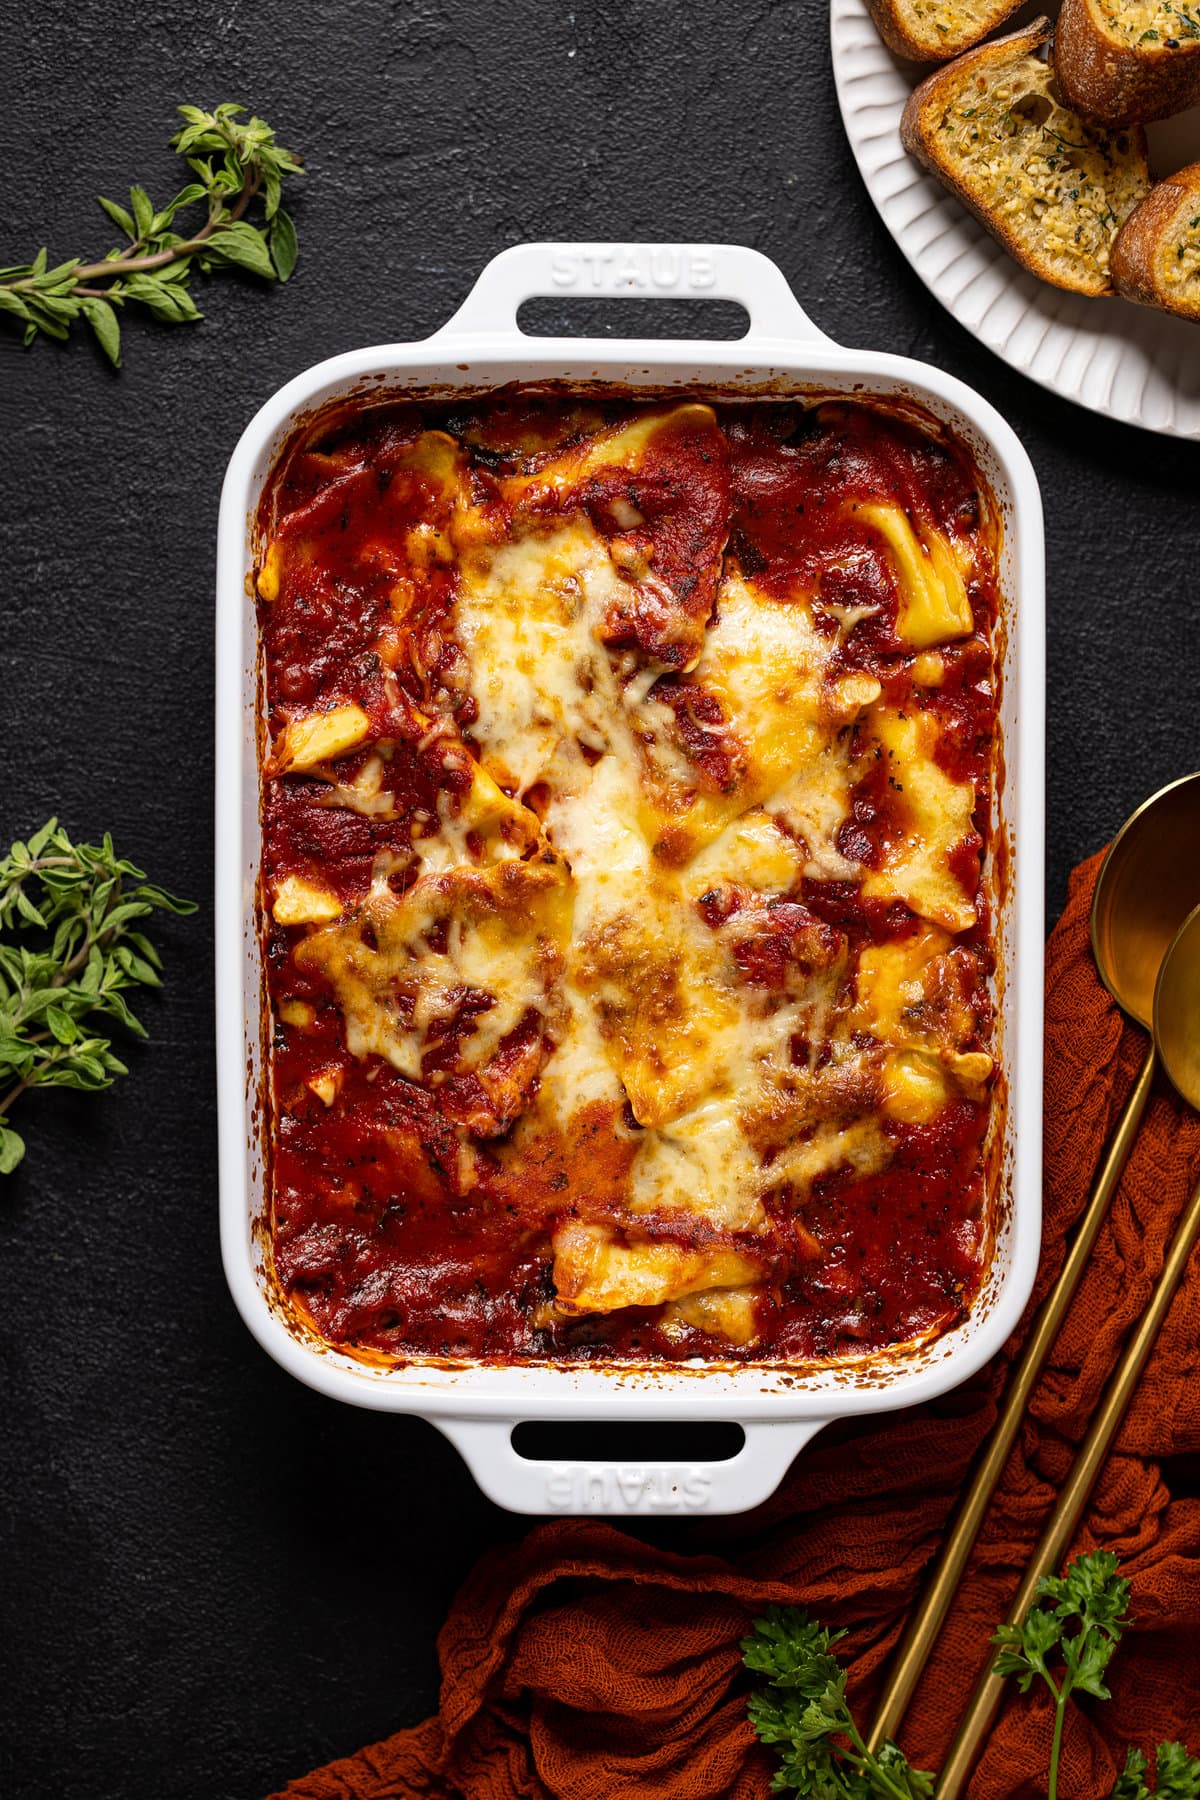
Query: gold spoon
[[1147, 883], [1176, 1014]]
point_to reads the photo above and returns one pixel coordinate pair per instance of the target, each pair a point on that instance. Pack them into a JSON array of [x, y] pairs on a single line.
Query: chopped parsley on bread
[[1054, 190], [1121, 60], [1156, 258], [935, 30]]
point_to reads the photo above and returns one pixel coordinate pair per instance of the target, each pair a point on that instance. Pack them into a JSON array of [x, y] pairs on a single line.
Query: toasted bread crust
[[889, 17], [936, 93], [1116, 82], [1135, 261]]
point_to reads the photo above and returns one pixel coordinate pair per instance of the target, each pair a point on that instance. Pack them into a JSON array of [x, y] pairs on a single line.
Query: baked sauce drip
[[414, 1207]]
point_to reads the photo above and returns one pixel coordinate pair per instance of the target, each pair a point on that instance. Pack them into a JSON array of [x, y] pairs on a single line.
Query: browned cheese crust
[[1125, 76], [1156, 258]]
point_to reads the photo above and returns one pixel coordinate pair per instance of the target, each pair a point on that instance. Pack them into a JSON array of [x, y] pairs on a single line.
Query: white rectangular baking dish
[[779, 1408]]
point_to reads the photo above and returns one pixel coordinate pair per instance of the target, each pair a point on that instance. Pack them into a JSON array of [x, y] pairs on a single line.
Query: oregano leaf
[[12, 1149], [243, 245], [143, 211], [284, 248], [104, 323]]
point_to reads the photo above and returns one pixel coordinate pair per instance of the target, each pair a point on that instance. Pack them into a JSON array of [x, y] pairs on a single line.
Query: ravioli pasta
[[625, 811]]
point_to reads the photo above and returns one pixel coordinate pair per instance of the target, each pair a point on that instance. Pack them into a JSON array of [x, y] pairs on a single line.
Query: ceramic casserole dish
[[778, 1407]]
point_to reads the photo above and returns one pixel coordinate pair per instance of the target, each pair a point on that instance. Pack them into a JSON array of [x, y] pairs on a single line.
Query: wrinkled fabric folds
[[586, 1664]]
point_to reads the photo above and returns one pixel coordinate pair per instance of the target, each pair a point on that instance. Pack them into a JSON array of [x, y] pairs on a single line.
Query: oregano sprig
[[69, 952], [236, 164]]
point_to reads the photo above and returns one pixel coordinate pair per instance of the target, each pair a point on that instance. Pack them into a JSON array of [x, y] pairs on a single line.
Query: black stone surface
[[212, 1578]]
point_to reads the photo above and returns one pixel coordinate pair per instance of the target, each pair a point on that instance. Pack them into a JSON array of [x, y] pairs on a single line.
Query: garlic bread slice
[[936, 30], [1156, 258], [1053, 189], [1124, 60]]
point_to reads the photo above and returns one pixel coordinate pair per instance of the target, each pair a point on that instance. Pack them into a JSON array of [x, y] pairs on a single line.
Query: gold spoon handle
[[928, 1619], [1065, 1517]]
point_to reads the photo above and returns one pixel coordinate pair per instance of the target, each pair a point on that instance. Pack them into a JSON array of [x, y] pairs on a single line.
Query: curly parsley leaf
[[70, 951], [1068, 1640], [802, 1713], [1177, 1775]]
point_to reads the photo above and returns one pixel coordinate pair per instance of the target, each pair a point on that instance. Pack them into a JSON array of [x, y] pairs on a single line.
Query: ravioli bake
[[627, 783]]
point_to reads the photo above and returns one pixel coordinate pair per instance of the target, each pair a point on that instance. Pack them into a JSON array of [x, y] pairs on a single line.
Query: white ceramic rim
[[1126, 362], [477, 1405]]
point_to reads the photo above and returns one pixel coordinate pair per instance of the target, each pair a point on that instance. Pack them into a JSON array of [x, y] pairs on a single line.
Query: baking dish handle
[[656, 1489], [633, 271]]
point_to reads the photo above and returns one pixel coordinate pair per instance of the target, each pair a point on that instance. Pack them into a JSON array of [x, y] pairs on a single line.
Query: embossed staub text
[[601, 1487], [642, 268]]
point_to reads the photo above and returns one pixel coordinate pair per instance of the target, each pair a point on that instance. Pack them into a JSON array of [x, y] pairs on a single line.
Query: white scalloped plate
[[1128, 362]]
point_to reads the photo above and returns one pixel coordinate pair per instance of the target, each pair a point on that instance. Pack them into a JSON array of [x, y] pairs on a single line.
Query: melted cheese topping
[[937, 815], [403, 965], [769, 667], [595, 886], [543, 684]]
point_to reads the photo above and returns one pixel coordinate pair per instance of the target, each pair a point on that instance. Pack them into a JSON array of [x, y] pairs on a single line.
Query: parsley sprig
[[68, 954], [235, 163], [1069, 1640], [1176, 1775], [803, 1714], [1066, 1640]]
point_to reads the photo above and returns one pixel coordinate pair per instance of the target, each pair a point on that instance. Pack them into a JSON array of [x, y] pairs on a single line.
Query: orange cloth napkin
[[586, 1664]]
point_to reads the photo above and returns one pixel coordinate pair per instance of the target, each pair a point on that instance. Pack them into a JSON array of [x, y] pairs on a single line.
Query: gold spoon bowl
[[1147, 885], [1177, 1008]]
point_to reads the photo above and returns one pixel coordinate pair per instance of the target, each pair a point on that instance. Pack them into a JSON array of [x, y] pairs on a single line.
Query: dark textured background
[[212, 1578]]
